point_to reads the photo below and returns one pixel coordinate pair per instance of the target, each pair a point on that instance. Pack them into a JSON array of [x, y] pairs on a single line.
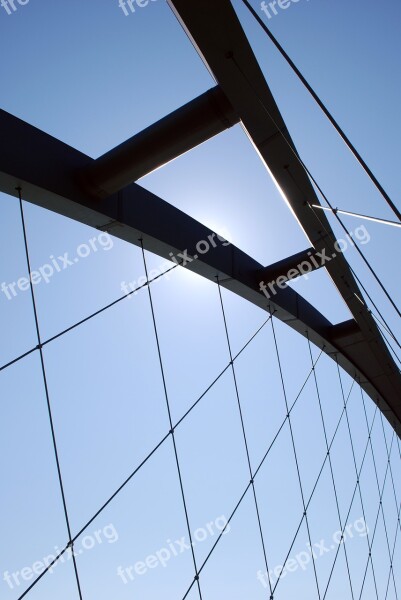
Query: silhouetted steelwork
[[49, 172], [99, 193], [182, 130]]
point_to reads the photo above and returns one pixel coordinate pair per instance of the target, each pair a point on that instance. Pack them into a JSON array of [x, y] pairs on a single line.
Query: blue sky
[[92, 77]]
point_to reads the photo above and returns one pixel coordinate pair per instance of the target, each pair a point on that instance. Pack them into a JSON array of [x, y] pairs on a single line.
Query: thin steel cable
[[393, 552], [244, 435], [15, 360], [323, 224], [378, 488], [385, 324], [91, 316], [398, 521], [283, 386], [376, 523], [364, 289], [358, 479], [389, 330], [308, 172], [49, 410], [254, 476], [385, 327], [357, 248], [171, 425], [144, 461], [352, 500], [330, 464], [397, 503], [360, 216], [396, 528], [315, 485], [325, 110], [224, 370], [167, 436], [398, 509], [388, 342]]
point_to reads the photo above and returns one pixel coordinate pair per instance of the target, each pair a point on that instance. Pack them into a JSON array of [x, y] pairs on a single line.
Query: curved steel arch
[[99, 193], [46, 170]]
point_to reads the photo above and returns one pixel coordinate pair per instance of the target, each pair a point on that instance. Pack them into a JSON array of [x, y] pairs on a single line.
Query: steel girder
[[62, 179], [49, 173]]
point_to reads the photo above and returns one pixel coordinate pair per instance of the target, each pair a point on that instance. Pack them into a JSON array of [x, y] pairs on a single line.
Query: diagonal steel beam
[[217, 34]]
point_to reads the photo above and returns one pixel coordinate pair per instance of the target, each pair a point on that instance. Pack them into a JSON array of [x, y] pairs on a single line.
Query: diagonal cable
[[254, 475], [88, 318], [316, 483], [352, 500], [144, 461], [386, 339], [391, 571], [376, 523], [318, 187], [378, 487], [369, 543], [397, 504], [398, 509], [330, 465], [383, 321], [325, 110]]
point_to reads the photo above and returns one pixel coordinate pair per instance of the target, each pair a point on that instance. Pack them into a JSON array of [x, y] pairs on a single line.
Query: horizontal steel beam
[[291, 267], [46, 170], [180, 131]]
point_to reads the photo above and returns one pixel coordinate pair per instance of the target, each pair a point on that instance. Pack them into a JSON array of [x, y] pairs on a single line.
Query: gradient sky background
[[88, 75]]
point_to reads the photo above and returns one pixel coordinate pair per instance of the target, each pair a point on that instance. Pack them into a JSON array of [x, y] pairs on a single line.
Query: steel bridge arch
[[101, 193]]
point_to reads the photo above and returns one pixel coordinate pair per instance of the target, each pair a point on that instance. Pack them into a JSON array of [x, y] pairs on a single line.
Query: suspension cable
[[70, 544], [248, 458], [322, 106], [172, 433], [308, 172]]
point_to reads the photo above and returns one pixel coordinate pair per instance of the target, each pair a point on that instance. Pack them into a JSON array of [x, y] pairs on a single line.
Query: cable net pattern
[[261, 469]]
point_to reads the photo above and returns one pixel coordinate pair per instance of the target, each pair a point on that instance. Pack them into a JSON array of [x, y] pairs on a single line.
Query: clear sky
[[91, 76]]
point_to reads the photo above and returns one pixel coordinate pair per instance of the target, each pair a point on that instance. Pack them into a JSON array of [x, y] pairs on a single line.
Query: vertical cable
[[370, 558], [377, 519], [398, 509], [328, 449], [42, 362], [378, 487], [248, 458], [295, 453], [171, 422]]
